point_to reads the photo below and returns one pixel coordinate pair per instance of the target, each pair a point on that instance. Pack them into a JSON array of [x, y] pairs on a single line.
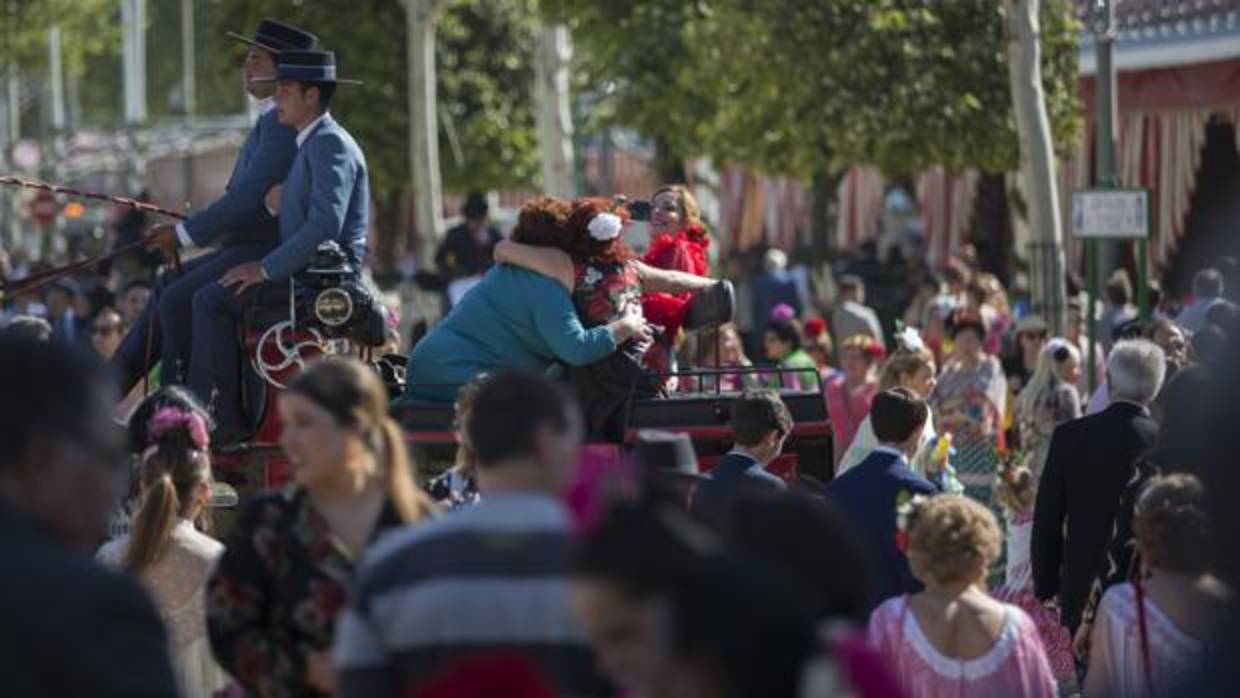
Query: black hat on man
[[309, 66], [276, 36]]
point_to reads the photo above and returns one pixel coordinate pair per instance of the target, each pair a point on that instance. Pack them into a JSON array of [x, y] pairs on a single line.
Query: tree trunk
[[424, 128], [823, 211], [669, 166], [555, 124], [1037, 159]]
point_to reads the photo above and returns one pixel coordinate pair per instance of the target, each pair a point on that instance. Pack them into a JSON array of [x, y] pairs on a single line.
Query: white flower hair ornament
[[605, 226], [909, 339]]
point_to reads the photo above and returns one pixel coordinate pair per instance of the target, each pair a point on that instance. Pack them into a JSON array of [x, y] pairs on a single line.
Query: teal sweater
[[513, 319]]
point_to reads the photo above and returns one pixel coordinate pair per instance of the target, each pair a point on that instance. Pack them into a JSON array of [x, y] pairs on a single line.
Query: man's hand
[[1082, 641], [244, 276], [163, 237], [274, 196]]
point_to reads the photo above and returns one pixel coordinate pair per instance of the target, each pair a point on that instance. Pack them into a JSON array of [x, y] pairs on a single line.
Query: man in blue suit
[[760, 425], [870, 492], [325, 198], [238, 222]]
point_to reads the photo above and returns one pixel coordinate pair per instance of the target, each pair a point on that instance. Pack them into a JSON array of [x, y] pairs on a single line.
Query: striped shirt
[[486, 579]]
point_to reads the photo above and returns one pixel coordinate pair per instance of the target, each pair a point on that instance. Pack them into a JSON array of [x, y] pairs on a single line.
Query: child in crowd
[[953, 639], [1015, 493]]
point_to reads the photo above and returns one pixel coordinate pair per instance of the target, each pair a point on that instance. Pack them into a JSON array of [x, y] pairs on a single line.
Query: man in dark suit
[[467, 248], [1089, 463], [760, 425], [870, 492], [237, 222], [71, 628]]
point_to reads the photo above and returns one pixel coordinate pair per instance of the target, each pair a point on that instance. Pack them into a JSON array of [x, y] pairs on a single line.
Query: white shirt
[[263, 106], [304, 133]]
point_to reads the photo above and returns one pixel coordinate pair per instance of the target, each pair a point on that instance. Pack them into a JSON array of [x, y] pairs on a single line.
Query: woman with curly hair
[[606, 281], [970, 400], [953, 639], [515, 318], [1150, 634]]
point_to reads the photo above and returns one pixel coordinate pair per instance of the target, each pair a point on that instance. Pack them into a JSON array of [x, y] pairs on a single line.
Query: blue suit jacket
[[326, 197], [263, 162], [867, 494], [735, 475]]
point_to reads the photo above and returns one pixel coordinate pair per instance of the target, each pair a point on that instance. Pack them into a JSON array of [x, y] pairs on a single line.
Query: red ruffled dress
[[683, 251]]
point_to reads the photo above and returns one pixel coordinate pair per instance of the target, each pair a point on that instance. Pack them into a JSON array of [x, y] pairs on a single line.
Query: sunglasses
[[107, 329]]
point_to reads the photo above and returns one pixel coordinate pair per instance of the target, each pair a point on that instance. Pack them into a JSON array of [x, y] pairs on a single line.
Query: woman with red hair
[[606, 281]]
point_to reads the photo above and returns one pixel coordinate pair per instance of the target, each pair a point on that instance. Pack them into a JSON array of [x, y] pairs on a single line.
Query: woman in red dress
[[679, 242]]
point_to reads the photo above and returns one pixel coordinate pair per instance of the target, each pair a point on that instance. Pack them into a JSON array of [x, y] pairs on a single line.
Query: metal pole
[[56, 80], [188, 86], [1106, 174]]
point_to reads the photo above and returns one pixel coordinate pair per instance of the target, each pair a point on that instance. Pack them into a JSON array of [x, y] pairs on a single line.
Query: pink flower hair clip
[[170, 418]]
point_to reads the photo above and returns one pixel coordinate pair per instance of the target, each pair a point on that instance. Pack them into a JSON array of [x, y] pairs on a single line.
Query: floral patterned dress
[[603, 293], [969, 404], [274, 598]]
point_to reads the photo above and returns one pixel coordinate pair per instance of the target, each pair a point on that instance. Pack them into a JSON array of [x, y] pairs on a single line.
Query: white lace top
[[177, 584], [1173, 654], [1016, 664]]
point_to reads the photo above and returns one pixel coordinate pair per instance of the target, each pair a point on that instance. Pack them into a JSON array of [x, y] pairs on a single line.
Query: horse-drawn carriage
[[325, 310]]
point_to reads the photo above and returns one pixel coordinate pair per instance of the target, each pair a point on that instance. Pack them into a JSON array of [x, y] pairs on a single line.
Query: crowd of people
[[1007, 513]]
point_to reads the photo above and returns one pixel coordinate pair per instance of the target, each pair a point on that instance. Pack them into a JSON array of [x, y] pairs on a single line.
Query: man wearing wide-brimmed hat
[[237, 222], [325, 198]]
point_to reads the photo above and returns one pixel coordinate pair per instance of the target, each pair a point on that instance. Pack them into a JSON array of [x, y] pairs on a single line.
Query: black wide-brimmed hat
[[308, 66], [276, 36]]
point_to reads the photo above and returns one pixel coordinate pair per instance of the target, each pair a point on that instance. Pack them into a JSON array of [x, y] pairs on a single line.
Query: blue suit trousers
[[170, 334]]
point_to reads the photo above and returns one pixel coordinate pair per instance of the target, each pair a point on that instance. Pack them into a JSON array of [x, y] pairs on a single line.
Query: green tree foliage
[[85, 27], [646, 65], [487, 136], [806, 86], [90, 38], [217, 60]]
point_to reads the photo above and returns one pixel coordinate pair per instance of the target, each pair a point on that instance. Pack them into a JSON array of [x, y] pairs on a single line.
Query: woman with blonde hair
[[679, 242], [1048, 400], [910, 366], [283, 579], [953, 639], [166, 548]]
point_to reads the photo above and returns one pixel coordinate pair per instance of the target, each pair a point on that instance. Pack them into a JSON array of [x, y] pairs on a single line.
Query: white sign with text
[[1111, 213]]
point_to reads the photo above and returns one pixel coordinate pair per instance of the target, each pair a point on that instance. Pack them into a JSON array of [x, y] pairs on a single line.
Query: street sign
[[43, 208], [1111, 214]]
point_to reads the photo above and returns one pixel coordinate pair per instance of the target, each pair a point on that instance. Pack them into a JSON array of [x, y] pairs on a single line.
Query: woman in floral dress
[[969, 402], [273, 601], [606, 282]]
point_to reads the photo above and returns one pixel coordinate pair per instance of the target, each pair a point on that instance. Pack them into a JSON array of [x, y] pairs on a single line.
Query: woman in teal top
[[515, 319]]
